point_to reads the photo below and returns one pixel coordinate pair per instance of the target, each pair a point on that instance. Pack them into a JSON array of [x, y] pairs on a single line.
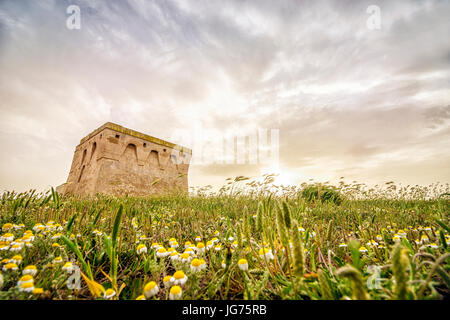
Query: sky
[[342, 89]]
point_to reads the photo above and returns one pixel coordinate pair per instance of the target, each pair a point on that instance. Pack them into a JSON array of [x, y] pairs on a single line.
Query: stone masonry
[[119, 161]]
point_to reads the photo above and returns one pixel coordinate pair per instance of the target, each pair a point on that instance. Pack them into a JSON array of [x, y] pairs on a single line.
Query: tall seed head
[[299, 254], [325, 289], [358, 289], [400, 263]]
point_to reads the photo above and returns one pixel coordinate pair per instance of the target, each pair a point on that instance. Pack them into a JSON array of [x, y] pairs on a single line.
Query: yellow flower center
[[184, 255], [167, 278], [149, 286], [26, 285], [196, 263], [179, 275], [242, 261], [26, 278]]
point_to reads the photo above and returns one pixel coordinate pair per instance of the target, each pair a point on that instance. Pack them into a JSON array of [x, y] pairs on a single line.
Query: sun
[[283, 176]]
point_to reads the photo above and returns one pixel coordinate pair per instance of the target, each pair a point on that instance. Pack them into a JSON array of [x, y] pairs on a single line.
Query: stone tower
[[116, 160]]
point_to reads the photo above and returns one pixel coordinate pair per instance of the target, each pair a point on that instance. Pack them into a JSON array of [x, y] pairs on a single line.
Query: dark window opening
[[117, 136], [94, 147], [145, 144]]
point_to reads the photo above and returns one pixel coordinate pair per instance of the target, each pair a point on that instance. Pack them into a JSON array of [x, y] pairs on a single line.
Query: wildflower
[[179, 278], [401, 233], [175, 293], [141, 297], [37, 291], [38, 227], [185, 257], [198, 238], [209, 245], [26, 287], [230, 239], [198, 265], [218, 247], [342, 245], [58, 260], [396, 238], [362, 249], [16, 259], [141, 249], [150, 289], [15, 247], [379, 237], [234, 244], [7, 237], [174, 244], [56, 236], [372, 243], [301, 229], [200, 247], [243, 264], [10, 267], [28, 237], [433, 246], [30, 269], [24, 279], [162, 252], [7, 226], [97, 232], [174, 256], [216, 233], [109, 293], [424, 239], [265, 252], [224, 265], [68, 267], [214, 240], [4, 246], [167, 281], [55, 245], [427, 229], [155, 246]]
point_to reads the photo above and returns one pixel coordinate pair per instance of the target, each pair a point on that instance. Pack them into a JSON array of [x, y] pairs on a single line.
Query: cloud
[[346, 100]]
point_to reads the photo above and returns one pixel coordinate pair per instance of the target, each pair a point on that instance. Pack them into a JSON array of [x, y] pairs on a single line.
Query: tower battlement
[[116, 160]]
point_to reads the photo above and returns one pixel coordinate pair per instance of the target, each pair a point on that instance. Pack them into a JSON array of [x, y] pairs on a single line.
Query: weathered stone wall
[[118, 161]]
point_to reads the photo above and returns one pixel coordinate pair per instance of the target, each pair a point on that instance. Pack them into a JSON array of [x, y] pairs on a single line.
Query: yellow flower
[[179, 278], [175, 293], [243, 264], [7, 226], [167, 281], [37, 291], [10, 267], [30, 269], [141, 249], [198, 265], [109, 293], [150, 289]]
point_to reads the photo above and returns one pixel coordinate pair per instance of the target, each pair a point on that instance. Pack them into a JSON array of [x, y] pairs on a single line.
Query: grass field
[[310, 242]]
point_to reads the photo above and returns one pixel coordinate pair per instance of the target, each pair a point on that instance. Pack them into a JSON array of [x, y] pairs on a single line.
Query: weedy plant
[[249, 240]]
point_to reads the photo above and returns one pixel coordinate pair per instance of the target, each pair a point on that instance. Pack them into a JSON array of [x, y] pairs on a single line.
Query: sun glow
[[282, 176]]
